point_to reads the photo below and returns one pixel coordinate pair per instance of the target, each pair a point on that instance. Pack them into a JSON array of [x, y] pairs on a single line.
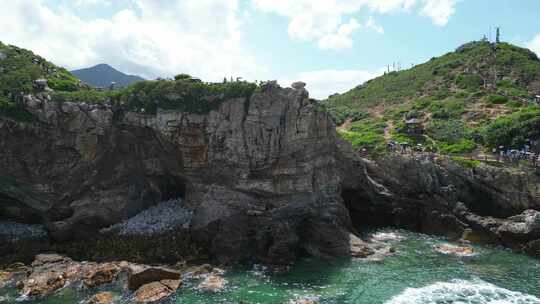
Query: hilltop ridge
[[464, 100], [102, 75]]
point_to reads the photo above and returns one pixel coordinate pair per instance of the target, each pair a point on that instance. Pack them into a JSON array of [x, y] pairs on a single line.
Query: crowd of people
[[516, 155], [500, 154]]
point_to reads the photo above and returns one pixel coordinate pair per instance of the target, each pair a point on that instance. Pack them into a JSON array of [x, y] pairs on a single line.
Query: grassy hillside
[[479, 96], [18, 70]]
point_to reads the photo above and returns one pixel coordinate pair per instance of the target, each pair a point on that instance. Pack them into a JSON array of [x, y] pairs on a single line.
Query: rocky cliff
[[259, 174], [264, 178], [484, 203]]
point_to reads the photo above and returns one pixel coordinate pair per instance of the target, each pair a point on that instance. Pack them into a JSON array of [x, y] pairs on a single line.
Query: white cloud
[[387, 6], [200, 37], [92, 2], [341, 39], [323, 83], [371, 24], [322, 21], [534, 44], [439, 10]]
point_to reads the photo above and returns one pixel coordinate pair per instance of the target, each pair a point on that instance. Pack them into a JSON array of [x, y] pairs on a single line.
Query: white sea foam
[[387, 236], [164, 217], [462, 292]]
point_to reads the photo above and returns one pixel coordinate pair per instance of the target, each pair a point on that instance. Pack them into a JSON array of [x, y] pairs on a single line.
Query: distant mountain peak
[[101, 75]]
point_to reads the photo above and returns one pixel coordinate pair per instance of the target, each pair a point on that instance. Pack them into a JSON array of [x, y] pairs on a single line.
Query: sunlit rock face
[[263, 178], [259, 175]]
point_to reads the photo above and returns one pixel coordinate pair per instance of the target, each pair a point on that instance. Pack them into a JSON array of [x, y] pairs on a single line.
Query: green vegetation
[[467, 163], [475, 96], [14, 110], [513, 130], [183, 94], [21, 67], [87, 96], [367, 133], [469, 81], [496, 99]]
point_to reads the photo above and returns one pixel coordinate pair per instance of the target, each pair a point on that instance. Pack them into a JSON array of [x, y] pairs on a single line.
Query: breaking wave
[[462, 292]]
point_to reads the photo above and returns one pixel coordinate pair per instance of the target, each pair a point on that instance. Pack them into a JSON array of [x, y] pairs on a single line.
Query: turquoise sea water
[[415, 274]]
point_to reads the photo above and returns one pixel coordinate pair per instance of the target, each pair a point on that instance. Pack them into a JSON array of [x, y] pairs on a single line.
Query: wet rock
[[359, 248], [101, 274], [101, 298], [141, 275], [4, 277], [478, 237], [18, 267], [50, 273], [533, 248], [156, 291], [197, 271], [525, 226], [212, 283], [43, 259], [455, 250]]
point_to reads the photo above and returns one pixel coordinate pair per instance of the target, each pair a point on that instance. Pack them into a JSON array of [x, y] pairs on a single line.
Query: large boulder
[[141, 275], [101, 274], [50, 273], [212, 283], [101, 298], [525, 226], [155, 291]]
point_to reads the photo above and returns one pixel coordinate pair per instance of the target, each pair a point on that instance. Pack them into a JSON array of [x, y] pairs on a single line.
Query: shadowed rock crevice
[[266, 179]]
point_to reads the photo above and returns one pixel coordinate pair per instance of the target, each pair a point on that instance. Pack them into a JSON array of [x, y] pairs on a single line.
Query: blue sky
[[333, 45]]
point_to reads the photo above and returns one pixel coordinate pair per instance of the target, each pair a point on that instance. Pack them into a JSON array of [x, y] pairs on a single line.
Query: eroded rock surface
[[259, 175], [140, 275], [101, 298], [155, 291], [264, 178]]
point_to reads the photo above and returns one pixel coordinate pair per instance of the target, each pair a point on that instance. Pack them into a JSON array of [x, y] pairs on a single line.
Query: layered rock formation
[[265, 178], [486, 204], [260, 175]]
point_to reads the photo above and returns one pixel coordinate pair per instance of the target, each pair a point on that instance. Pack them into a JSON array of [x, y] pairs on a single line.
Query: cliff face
[[266, 178], [259, 174], [479, 204]]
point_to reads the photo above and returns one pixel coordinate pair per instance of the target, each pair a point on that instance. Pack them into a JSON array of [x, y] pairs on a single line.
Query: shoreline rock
[[156, 291]]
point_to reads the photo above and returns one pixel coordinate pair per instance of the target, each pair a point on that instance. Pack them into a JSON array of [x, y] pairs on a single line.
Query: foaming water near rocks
[[161, 218], [462, 292], [416, 274]]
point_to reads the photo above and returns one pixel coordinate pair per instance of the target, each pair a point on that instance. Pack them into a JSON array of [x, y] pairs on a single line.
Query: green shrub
[[340, 114], [467, 163], [452, 108], [469, 81], [14, 111], [448, 131], [513, 130], [496, 99], [62, 85], [182, 94], [462, 146], [461, 95], [86, 96], [514, 104], [367, 133], [421, 104]]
